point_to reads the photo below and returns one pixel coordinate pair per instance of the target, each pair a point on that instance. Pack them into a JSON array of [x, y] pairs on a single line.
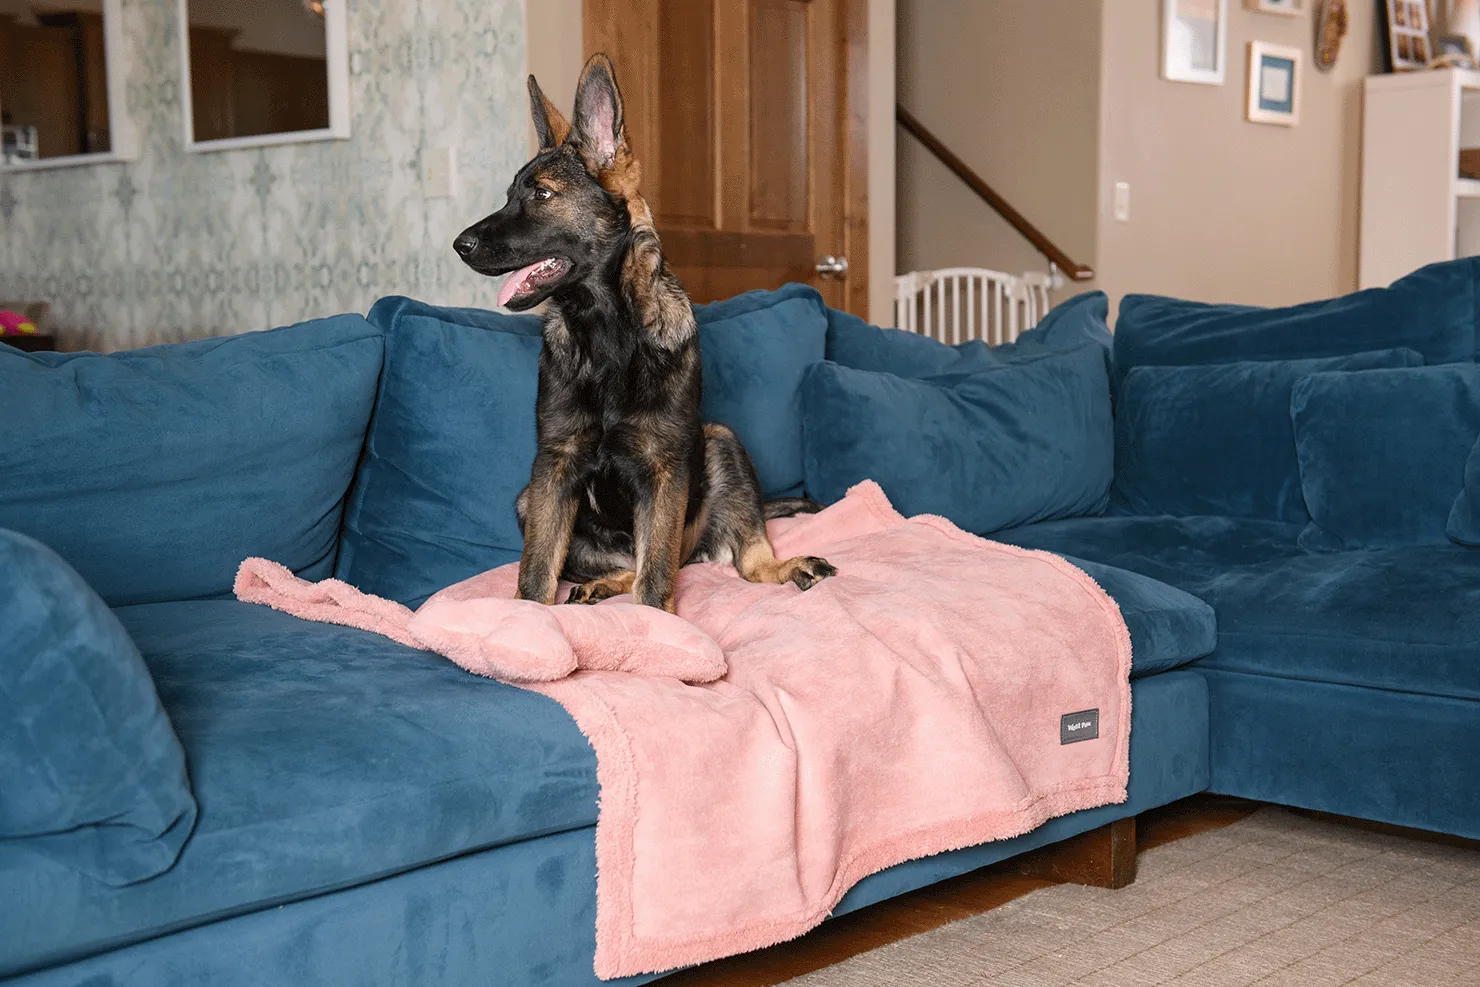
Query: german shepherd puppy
[[628, 484]]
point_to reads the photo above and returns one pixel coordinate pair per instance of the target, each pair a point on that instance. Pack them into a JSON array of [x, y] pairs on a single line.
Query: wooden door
[[748, 117]]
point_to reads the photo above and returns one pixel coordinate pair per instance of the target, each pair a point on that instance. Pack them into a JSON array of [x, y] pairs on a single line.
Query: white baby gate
[[956, 304]]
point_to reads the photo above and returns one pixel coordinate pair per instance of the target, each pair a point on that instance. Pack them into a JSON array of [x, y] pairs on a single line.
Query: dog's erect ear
[[549, 123], [598, 131]]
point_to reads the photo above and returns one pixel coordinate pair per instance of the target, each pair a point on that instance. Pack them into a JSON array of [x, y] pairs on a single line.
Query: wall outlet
[[1122, 202], [438, 172]]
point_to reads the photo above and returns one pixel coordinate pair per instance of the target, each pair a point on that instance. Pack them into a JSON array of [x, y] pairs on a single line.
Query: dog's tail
[[790, 507]]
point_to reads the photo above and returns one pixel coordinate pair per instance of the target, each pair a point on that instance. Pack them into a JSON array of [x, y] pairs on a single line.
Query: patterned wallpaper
[[175, 246]]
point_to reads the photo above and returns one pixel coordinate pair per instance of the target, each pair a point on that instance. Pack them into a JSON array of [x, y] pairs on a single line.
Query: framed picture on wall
[[1194, 41], [1274, 83], [1290, 8], [1406, 33]]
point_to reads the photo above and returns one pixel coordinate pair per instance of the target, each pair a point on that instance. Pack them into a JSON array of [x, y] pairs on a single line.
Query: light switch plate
[[1123, 202], [438, 172]]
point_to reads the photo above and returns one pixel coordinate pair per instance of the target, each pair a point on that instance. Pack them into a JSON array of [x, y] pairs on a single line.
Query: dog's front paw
[[808, 570]]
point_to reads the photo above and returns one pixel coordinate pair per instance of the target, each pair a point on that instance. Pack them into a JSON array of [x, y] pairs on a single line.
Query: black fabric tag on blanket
[[1074, 727]]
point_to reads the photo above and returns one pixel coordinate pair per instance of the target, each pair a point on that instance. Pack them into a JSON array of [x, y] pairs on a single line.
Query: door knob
[[833, 267]]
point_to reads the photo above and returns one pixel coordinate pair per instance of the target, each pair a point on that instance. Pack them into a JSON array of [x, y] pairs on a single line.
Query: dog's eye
[[542, 193]]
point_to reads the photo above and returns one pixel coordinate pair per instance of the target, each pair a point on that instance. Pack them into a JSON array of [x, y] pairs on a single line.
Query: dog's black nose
[[465, 244]]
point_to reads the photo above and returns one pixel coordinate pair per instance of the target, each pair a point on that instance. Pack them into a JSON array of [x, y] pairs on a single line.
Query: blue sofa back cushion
[[1433, 311], [855, 343], [755, 348], [154, 472], [1216, 439], [449, 448], [1068, 325], [91, 773], [1464, 516], [1382, 454], [989, 450], [453, 437]]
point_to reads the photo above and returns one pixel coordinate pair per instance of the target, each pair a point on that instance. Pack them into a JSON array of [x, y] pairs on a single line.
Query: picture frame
[[1289, 8], [336, 58], [1406, 35], [1274, 85], [1194, 41]]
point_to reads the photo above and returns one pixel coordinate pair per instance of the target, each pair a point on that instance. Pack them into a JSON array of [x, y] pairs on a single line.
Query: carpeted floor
[[1278, 900]]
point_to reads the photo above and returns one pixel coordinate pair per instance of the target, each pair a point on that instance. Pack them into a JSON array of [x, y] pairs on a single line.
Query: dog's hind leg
[[600, 571], [758, 564], [790, 507], [734, 518], [604, 587]]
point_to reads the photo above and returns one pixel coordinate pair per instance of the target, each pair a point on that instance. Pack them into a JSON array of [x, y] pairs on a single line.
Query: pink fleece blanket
[[932, 695]]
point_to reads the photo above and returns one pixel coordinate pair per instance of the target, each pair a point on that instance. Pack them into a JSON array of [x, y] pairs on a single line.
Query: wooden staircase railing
[[990, 196]]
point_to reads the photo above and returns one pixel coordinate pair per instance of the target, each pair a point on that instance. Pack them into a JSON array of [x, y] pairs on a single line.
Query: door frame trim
[[855, 156]]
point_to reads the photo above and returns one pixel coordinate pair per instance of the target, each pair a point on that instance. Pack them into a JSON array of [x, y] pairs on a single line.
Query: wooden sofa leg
[[1101, 858]]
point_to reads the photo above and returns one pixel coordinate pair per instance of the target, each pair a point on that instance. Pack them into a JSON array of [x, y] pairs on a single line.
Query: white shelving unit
[[1415, 208]]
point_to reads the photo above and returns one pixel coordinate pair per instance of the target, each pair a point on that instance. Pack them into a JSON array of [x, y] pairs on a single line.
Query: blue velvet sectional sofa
[[1313, 474], [199, 791]]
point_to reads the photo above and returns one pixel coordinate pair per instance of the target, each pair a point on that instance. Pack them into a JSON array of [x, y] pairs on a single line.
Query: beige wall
[[1054, 102], [553, 30], [555, 58], [1223, 209], [1013, 89]]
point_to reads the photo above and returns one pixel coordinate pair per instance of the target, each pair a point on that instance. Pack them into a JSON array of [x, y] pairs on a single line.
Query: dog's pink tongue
[[514, 282]]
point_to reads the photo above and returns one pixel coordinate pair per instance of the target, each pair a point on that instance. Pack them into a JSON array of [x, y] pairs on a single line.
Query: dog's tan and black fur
[[628, 484]]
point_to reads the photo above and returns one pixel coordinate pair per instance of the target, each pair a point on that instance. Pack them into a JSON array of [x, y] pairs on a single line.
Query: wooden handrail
[[989, 195]]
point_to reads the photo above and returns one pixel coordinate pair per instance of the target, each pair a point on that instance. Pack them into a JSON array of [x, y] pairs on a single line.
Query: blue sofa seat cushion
[[989, 450], [1168, 627], [1382, 454], [1185, 552], [1433, 310], [453, 436], [91, 773], [154, 472], [1217, 439], [1402, 619], [321, 757], [1406, 619]]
